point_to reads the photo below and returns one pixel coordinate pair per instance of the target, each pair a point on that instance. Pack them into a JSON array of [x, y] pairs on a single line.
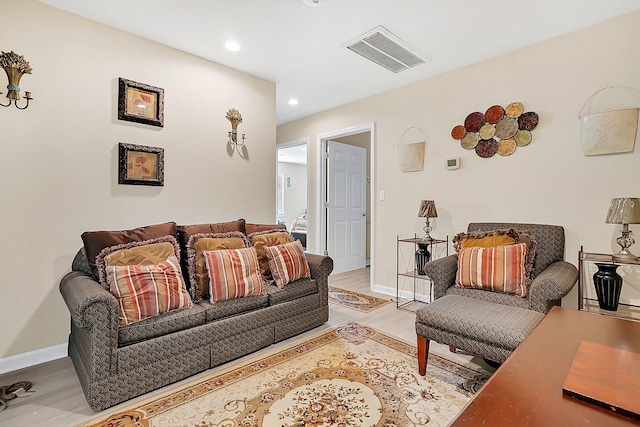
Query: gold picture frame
[[140, 165], [141, 103]]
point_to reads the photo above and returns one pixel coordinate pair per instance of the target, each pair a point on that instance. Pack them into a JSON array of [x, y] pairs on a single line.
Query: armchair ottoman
[[492, 324]]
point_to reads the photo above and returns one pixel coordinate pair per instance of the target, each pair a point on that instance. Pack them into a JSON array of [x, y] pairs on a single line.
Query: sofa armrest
[[80, 292], [550, 286], [442, 272], [321, 267], [94, 324]]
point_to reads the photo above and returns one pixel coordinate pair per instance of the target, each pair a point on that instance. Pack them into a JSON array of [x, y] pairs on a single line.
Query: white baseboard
[[404, 294], [30, 358]]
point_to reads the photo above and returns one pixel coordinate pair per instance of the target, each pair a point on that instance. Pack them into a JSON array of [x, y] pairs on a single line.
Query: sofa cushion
[[147, 290], [162, 324], [233, 273], [147, 252], [232, 307], [297, 289], [261, 239], [499, 269], [287, 263], [96, 241], [251, 228], [186, 231], [196, 264]]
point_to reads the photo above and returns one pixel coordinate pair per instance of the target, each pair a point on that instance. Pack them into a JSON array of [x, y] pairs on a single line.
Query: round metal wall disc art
[[506, 147], [487, 148], [506, 128], [494, 114], [514, 110], [522, 137], [474, 122], [458, 132], [499, 130], [487, 131], [528, 121], [470, 141]]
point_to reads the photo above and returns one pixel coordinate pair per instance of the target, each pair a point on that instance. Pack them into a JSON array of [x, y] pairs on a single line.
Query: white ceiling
[[299, 46]]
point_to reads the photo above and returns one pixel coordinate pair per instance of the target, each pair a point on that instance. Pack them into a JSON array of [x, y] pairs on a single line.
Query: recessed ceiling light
[[293, 101], [232, 46], [311, 2]]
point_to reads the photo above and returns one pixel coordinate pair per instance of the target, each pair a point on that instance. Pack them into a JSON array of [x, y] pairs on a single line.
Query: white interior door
[[346, 210]]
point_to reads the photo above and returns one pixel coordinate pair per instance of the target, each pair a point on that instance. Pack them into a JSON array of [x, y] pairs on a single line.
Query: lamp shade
[[624, 210], [428, 209]]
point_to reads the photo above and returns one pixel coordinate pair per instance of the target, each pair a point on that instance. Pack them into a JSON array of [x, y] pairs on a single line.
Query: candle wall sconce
[[15, 66], [235, 118]]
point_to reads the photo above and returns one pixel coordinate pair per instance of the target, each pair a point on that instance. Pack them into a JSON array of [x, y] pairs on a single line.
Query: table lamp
[[427, 210], [625, 211]]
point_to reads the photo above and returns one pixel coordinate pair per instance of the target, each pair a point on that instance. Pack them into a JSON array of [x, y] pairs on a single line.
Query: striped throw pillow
[[498, 269], [287, 263], [233, 273], [147, 290]]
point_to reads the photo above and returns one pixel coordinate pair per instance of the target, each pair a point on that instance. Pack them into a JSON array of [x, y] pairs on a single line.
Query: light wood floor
[[59, 401]]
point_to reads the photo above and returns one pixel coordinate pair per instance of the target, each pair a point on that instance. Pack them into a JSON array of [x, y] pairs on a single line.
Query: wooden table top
[[527, 389]]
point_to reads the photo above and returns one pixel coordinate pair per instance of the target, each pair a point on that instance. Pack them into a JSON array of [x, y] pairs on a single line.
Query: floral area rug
[[355, 300], [349, 376]]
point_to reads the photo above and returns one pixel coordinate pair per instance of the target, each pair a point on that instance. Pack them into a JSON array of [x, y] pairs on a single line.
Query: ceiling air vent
[[385, 49]]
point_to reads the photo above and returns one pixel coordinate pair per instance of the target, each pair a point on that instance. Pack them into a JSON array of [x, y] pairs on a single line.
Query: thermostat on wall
[[453, 163]]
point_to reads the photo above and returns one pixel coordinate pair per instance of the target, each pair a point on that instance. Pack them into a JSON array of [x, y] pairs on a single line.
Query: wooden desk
[[527, 389]]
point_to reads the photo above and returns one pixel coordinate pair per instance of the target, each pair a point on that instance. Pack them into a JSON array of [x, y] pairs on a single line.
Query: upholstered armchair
[[492, 324]]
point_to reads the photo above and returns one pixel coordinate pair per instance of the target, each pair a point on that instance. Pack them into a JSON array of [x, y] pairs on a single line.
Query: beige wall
[[549, 181], [59, 161]]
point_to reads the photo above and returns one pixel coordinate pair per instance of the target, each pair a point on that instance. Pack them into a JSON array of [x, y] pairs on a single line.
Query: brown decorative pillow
[[96, 241], [196, 265], [257, 228], [148, 252], [492, 238], [262, 239], [186, 231]]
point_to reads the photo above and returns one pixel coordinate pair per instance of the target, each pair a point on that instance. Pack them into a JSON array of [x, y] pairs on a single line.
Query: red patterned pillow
[[233, 273], [498, 269], [287, 263], [147, 290]]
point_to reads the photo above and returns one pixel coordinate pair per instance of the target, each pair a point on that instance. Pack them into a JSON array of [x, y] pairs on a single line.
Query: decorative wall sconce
[[15, 66], [235, 118]]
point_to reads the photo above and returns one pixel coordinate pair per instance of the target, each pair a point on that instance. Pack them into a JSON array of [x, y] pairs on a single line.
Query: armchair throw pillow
[[488, 239], [498, 269]]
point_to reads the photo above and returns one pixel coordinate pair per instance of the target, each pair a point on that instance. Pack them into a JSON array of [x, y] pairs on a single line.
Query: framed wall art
[[140, 165], [141, 103]]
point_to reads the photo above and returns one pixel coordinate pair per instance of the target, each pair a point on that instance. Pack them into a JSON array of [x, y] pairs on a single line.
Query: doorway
[[291, 188], [340, 239]]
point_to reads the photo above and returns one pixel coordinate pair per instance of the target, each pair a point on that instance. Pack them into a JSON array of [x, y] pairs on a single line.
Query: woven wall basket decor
[[608, 132], [411, 155]]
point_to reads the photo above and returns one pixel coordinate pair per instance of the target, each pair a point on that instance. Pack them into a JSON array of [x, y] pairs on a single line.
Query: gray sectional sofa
[[117, 363]]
